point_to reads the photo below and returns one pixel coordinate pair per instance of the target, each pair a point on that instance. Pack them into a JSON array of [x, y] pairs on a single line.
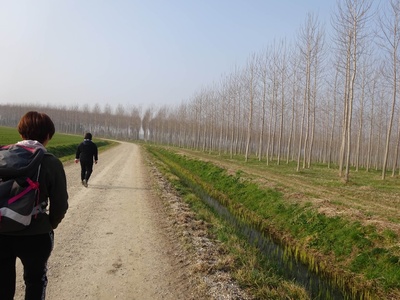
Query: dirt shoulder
[[128, 236]]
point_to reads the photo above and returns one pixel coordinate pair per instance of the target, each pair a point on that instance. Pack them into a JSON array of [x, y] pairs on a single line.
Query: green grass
[[62, 146], [346, 243], [10, 135]]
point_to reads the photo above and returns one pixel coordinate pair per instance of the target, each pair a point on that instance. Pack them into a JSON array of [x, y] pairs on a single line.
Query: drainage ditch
[[318, 287]]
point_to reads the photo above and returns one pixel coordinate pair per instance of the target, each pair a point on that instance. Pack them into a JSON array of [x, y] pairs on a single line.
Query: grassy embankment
[[62, 146], [346, 232]]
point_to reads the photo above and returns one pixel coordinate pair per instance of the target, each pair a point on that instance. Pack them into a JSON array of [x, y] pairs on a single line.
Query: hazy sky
[[138, 52]]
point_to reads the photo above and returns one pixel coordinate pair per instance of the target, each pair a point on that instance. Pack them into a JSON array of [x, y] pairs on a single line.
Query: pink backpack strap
[[32, 186]]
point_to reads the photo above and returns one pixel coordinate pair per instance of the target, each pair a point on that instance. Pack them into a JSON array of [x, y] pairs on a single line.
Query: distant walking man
[[86, 154]]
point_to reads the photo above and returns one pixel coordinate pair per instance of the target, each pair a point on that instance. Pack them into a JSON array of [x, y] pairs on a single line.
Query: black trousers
[[86, 169], [34, 252]]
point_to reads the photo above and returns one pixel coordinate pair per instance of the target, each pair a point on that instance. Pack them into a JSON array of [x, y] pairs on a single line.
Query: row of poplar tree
[[326, 98], [329, 98]]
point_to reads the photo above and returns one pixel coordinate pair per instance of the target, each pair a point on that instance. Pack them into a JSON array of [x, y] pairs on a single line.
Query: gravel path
[[114, 242]]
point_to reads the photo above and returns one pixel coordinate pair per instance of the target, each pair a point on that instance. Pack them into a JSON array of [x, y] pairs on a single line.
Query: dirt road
[[116, 242]]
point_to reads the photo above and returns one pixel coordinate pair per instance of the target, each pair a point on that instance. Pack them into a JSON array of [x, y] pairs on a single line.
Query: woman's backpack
[[19, 186]]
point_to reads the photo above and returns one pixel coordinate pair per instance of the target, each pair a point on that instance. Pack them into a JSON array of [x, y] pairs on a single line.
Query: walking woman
[[33, 244]]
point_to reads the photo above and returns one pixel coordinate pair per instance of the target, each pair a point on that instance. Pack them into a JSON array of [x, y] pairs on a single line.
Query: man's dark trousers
[[86, 169]]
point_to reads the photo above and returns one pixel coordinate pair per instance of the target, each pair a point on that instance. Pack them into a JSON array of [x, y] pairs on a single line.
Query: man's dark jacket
[[87, 151]]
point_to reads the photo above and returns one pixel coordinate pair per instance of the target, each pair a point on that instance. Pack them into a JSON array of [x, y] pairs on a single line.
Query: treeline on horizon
[[330, 99], [106, 123]]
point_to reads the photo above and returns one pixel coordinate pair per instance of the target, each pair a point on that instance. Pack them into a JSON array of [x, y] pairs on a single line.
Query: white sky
[[137, 52]]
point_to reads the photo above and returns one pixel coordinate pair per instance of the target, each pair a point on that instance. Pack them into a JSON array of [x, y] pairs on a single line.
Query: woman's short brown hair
[[36, 126]]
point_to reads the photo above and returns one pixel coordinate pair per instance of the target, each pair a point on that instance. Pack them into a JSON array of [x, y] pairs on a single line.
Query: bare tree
[[146, 123], [364, 82], [234, 104], [333, 127], [294, 95], [350, 25], [390, 39], [310, 43], [273, 102], [371, 121], [283, 69], [250, 76]]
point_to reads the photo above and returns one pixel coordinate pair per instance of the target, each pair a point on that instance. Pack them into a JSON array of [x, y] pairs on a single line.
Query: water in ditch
[[318, 287]]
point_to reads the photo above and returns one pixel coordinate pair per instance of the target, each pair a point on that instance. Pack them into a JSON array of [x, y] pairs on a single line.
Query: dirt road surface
[[116, 241]]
